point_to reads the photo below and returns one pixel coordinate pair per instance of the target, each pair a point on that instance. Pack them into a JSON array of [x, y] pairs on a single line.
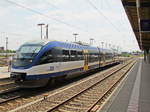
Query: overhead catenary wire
[[49, 17], [101, 14], [49, 3], [120, 22], [58, 20]]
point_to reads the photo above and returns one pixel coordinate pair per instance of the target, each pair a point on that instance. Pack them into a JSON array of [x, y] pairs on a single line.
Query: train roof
[[67, 45]]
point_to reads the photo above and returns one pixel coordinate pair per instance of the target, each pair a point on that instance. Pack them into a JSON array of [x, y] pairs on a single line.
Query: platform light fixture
[[102, 44], [75, 36], [91, 41], [41, 25]]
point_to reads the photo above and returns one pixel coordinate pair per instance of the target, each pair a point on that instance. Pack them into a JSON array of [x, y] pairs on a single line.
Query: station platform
[[4, 72], [133, 94]]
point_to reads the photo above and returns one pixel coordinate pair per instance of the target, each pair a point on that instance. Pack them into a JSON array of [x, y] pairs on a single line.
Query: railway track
[[8, 96], [3, 62], [34, 94], [7, 85], [5, 81], [81, 97], [7, 90], [85, 100]]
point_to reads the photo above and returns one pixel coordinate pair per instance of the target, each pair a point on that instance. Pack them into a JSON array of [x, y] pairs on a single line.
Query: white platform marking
[[134, 100]]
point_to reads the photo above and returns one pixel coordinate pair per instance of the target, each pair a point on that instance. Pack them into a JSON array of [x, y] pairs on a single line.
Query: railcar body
[[38, 62]]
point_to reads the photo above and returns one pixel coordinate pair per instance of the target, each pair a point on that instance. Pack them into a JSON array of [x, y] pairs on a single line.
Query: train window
[[79, 55], [65, 55], [65, 52], [97, 56], [73, 52], [90, 58], [46, 58], [56, 53], [51, 56], [108, 56], [73, 55], [105, 56], [94, 57]]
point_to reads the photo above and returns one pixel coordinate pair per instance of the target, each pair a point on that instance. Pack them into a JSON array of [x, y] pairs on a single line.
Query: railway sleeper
[[83, 100], [76, 107], [77, 104], [2, 84], [88, 98], [61, 111], [71, 109], [60, 96], [81, 103], [89, 94], [52, 102], [93, 91]]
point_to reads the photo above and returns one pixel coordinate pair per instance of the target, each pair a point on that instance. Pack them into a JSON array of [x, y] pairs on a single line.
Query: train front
[[23, 65]]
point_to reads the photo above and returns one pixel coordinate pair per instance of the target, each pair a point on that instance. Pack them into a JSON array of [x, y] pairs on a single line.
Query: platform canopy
[[138, 12]]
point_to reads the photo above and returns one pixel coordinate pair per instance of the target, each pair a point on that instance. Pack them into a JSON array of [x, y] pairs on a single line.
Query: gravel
[[60, 97]]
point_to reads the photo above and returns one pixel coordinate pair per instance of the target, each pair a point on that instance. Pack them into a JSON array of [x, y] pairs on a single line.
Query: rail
[[56, 101]]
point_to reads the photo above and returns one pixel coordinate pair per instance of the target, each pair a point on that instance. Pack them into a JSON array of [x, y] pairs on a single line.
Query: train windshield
[[25, 54]]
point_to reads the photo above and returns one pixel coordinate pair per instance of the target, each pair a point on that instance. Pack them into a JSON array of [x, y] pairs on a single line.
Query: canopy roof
[[138, 12]]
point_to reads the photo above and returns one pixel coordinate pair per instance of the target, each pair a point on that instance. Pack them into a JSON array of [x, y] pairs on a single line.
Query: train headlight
[[30, 60], [17, 76]]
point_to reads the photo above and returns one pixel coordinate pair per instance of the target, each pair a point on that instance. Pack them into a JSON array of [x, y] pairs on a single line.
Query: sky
[[103, 20]]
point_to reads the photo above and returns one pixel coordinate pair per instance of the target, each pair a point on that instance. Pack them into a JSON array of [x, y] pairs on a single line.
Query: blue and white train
[[38, 62]]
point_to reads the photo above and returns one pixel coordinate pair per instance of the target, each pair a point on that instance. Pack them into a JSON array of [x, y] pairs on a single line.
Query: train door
[[85, 53], [102, 58], [56, 52]]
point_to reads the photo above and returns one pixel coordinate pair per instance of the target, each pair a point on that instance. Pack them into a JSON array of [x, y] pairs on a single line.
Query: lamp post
[[75, 36], [109, 46], [102, 44], [6, 46], [47, 31], [91, 41], [41, 25]]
